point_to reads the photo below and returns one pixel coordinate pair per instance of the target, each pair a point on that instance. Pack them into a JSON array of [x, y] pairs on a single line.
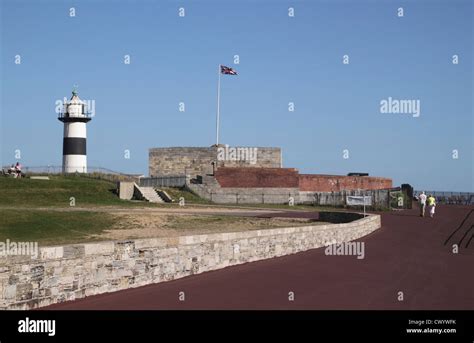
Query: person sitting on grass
[[11, 171]]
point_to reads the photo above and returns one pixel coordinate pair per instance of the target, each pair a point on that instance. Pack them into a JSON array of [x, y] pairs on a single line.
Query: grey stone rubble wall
[[270, 195], [72, 272], [245, 195], [164, 181], [180, 161], [197, 160], [380, 197]]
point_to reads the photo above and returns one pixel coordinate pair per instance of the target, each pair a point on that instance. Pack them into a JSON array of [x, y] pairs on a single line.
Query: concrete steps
[[149, 194], [164, 195]]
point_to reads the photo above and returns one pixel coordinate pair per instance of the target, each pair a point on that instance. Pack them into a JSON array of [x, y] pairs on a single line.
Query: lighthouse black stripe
[[74, 146]]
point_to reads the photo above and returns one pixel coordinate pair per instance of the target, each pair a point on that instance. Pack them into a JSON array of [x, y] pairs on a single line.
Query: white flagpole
[[218, 102]]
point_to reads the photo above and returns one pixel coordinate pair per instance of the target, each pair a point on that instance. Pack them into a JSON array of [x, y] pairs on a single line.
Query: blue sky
[[282, 60]]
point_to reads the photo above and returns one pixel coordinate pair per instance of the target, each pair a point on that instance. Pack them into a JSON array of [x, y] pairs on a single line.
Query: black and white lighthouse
[[74, 116]]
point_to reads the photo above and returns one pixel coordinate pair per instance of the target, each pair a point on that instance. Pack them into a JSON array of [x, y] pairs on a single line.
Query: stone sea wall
[[70, 272]]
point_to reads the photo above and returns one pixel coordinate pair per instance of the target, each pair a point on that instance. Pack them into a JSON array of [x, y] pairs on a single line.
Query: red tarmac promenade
[[408, 254]]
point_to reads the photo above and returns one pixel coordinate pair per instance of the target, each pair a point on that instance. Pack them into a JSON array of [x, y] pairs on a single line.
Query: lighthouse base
[[74, 164]]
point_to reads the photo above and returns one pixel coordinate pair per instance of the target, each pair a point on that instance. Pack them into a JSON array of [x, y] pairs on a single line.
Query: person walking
[[431, 205], [422, 199]]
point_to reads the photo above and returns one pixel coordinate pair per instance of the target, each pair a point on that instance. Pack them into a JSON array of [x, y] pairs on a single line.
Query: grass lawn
[[189, 197], [58, 191], [22, 219], [88, 192], [65, 227], [52, 227]]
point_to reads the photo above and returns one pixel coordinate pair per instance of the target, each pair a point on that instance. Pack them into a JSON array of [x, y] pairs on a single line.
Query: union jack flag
[[228, 71]]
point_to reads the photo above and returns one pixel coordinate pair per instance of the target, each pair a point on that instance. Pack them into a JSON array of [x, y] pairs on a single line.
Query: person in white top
[[18, 169], [422, 199]]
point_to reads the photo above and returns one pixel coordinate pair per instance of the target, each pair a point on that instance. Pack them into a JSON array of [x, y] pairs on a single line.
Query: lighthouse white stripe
[[75, 129], [75, 163]]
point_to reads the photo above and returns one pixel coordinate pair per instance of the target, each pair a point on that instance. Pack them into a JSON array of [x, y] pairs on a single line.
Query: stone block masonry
[[72, 272], [195, 161]]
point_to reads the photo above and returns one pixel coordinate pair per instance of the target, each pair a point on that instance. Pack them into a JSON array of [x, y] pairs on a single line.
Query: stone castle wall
[[198, 160]]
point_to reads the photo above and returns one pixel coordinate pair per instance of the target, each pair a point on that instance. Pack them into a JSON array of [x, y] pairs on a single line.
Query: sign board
[[353, 200]]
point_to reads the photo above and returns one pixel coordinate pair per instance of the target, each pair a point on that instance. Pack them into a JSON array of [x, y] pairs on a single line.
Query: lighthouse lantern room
[[74, 116]]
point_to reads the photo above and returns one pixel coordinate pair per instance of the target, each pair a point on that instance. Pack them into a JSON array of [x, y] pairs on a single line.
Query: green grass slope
[[57, 192]]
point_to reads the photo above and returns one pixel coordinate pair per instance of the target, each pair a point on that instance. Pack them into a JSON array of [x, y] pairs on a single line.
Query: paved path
[[408, 254]]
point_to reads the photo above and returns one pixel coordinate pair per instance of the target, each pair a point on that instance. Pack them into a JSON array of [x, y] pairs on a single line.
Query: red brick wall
[[257, 177], [290, 178], [334, 183]]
